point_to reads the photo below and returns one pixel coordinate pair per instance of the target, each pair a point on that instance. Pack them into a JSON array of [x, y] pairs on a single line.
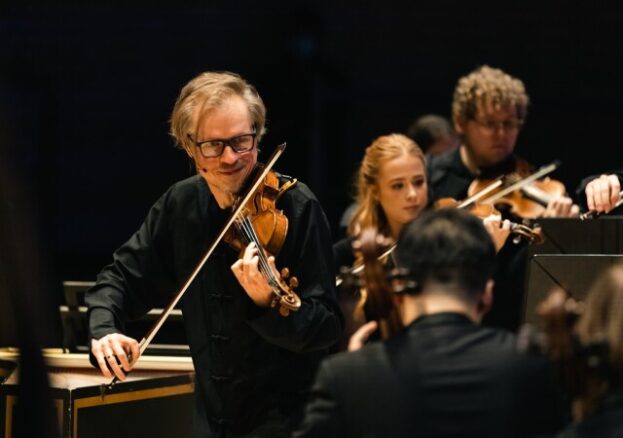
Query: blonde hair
[[208, 91], [488, 85], [369, 211]]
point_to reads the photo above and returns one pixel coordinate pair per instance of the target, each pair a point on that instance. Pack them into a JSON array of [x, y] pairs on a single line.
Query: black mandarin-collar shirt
[[252, 365]]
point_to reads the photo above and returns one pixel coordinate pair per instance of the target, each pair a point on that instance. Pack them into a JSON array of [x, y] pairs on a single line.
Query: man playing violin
[[252, 364], [489, 108]]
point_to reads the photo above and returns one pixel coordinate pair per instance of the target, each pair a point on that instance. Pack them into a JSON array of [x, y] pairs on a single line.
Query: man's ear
[[486, 299], [459, 125]]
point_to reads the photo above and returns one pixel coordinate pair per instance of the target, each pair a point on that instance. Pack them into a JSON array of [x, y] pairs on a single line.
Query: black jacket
[[442, 377], [252, 364]]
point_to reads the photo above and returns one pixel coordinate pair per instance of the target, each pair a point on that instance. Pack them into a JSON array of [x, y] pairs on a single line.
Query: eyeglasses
[[215, 147], [509, 125]]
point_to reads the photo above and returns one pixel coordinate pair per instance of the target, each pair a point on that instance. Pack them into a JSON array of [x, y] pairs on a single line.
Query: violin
[[261, 222], [521, 231], [522, 192], [376, 283], [360, 266], [582, 367]]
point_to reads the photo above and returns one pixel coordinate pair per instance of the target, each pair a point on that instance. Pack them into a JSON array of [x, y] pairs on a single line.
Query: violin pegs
[[284, 311], [274, 302], [293, 282], [285, 273]]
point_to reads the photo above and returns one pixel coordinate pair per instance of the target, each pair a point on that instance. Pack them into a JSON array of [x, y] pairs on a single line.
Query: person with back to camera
[[445, 375], [252, 364]]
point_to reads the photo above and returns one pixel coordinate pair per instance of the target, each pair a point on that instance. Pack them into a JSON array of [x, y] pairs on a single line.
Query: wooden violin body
[[524, 200], [269, 223], [521, 231], [375, 283], [261, 222]]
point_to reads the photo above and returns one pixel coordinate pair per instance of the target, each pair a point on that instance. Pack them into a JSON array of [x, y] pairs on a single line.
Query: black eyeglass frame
[[224, 142], [494, 125]]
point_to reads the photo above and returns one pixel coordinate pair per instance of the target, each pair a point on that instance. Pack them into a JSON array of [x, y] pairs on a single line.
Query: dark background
[[86, 90]]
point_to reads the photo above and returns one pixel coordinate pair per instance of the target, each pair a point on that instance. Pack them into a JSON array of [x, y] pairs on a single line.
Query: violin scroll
[[533, 235], [286, 298]]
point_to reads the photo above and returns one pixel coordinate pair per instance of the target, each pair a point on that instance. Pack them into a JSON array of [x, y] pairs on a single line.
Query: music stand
[[574, 236], [575, 273]]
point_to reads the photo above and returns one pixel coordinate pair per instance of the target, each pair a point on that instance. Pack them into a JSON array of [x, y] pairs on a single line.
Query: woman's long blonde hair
[[369, 212]]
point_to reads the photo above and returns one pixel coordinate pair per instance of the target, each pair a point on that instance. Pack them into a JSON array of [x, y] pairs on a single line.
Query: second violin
[[524, 193], [520, 231]]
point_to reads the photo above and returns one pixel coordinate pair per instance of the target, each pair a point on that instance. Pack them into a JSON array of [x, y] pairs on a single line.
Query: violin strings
[[245, 227]]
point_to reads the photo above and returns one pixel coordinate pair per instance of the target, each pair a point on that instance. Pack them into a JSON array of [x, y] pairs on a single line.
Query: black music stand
[[575, 273], [603, 235]]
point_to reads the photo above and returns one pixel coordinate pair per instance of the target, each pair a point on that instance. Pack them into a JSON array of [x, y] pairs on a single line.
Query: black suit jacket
[[443, 376]]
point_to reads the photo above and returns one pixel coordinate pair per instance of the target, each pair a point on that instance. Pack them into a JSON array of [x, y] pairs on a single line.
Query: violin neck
[[247, 232]]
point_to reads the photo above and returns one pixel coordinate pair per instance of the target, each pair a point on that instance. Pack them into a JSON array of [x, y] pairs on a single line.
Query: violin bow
[[545, 170], [241, 205], [476, 196]]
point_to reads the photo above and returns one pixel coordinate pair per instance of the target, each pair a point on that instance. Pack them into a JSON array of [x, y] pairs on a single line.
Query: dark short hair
[[428, 129], [449, 247]]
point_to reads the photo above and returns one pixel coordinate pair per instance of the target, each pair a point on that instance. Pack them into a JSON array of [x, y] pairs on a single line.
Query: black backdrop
[[86, 89]]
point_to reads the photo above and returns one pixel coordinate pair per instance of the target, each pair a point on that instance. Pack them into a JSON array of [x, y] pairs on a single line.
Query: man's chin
[[229, 188], [497, 157]]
